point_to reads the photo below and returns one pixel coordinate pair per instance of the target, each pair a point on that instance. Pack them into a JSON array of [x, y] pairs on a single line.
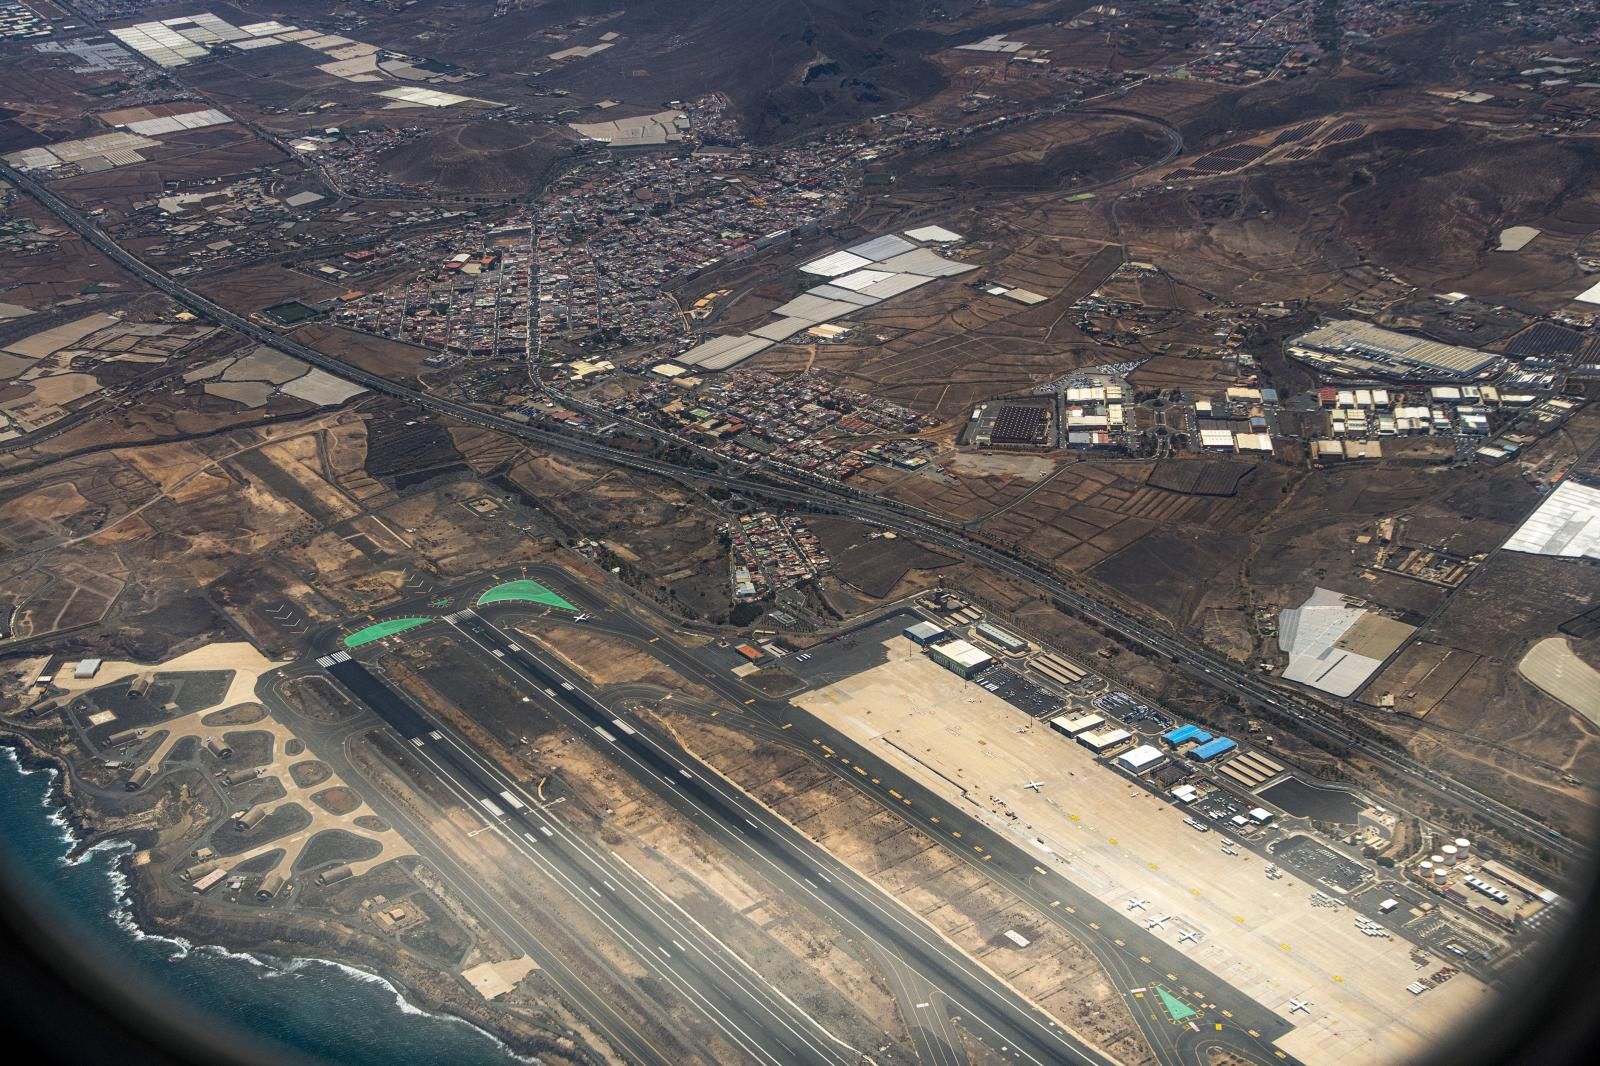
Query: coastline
[[85, 838]]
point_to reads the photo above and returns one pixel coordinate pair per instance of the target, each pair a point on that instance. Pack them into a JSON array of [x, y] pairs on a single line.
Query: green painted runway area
[[379, 630], [1176, 1008], [524, 591]]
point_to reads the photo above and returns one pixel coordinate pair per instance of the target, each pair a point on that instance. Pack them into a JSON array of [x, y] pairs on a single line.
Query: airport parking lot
[[1317, 863], [1133, 712], [1020, 692]]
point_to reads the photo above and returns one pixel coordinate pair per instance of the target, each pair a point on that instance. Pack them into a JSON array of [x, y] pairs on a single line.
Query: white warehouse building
[[1138, 760]]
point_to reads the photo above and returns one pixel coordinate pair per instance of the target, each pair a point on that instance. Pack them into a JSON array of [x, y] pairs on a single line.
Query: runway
[[985, 1006], [1131, 955], [757, 1019]]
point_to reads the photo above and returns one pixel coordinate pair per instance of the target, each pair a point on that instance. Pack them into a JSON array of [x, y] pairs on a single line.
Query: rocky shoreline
[[271, 940]]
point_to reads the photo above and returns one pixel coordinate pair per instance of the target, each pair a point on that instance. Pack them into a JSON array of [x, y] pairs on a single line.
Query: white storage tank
[[1464, 846], [1440, 873], [1451, 852], [1436, 859], [1425, 871]]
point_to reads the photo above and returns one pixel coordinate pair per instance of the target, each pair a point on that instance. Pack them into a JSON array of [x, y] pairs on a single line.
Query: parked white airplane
[[1299, 1005], [1188, 935], [1035, 785], [1155, 923], [1136, 904]]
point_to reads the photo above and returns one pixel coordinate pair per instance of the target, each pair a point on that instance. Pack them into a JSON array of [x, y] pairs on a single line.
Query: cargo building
[[1103, 741], [1138, 760], [1212, 749], [924, 633], [1073, 726], [1000, 638], [961, 657], [1184, 734]]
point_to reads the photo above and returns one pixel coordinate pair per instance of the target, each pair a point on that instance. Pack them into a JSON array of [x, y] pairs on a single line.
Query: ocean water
[[300, 1006]]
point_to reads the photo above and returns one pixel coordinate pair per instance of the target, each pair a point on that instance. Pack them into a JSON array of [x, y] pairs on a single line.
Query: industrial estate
[[1042, 532]]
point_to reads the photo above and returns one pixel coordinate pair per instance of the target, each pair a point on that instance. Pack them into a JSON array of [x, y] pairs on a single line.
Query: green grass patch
[[379, 630], [523, 592], [288, 314]]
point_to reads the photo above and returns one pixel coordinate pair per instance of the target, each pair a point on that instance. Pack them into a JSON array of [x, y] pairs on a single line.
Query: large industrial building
[[1186, 733], [924, 633], [1213, 749], [1073, 726], [1101, 741], [1351, 348], [961, 657], [1000, 638], [1138, 760]]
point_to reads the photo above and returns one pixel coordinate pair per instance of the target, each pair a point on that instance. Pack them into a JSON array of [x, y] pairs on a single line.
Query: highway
[[801, 490], [754, 1017], [986, 1006]]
